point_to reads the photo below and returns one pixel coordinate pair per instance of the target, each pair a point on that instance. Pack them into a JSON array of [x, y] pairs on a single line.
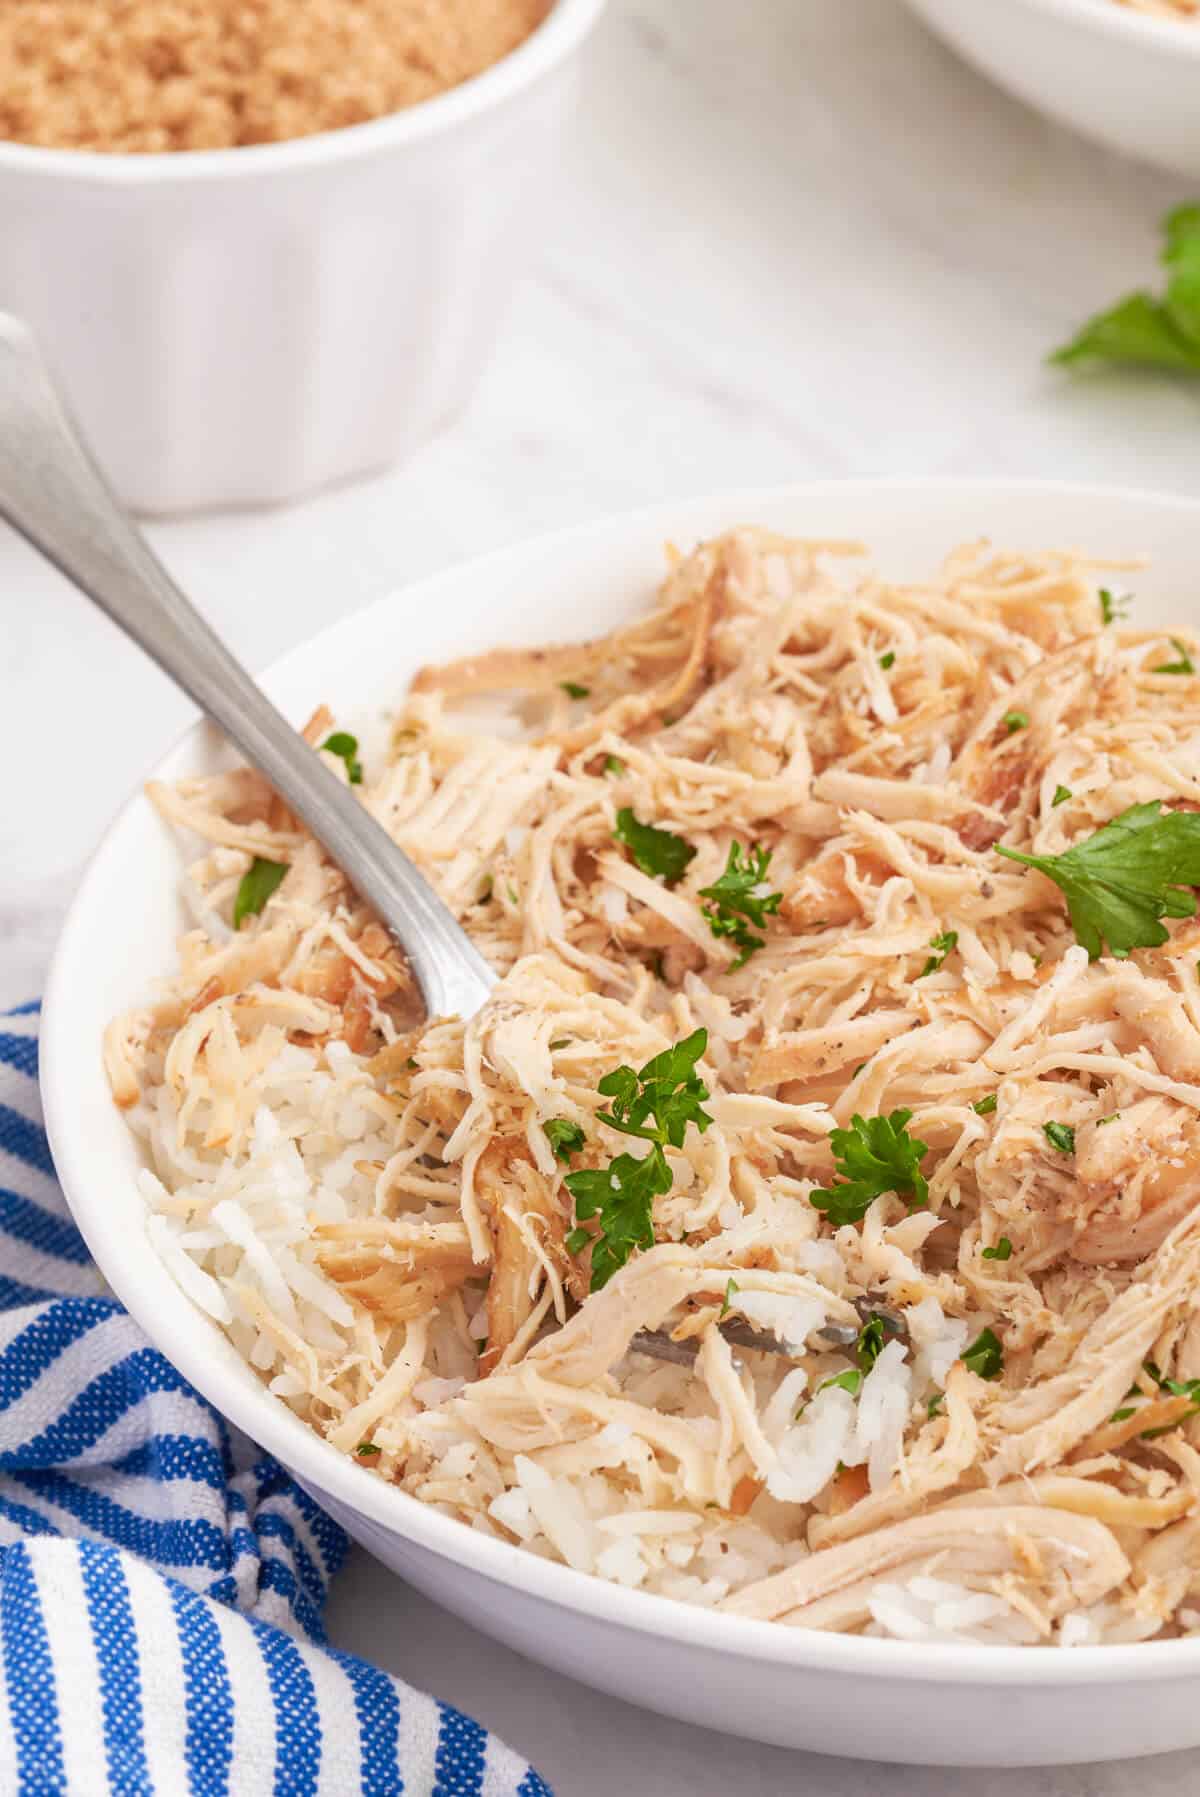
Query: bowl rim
[[312, 1459], [1121, 22], [551, 42]]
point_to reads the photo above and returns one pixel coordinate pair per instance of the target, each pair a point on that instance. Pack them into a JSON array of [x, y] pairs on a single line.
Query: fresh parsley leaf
[[1126, 1410], [887, 659], [366, 1449], [730, 1288], [659, 853], [1176, 1388], [1015, 720], [656, 1104], [573, 689], [560, 1042], [872, 1339], [1060, 1136], [984, 1107], [1147, 330], [1113, 606], [1121, 881], [1002, 1250], [941, 946], [565, 1138], [613, 765], [935, 1403], [485, 889], [985, 1356], [739, 900], [345, 746], [1184, 663], [850, 1381], [257, 884], [875, 1155], [1061, 795]]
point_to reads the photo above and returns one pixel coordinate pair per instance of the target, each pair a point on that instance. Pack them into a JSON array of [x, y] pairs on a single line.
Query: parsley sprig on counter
[[1121, 881], [656, 1104], [1153, 331], [740, 899], [659, 853], [875, 1155]]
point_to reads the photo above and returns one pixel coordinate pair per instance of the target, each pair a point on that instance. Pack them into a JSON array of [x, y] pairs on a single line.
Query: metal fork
[[53, 493]]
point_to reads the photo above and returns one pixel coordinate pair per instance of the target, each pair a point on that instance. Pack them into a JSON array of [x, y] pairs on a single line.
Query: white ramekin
[[239, 327]]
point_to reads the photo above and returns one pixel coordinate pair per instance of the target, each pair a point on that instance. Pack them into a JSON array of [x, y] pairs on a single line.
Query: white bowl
[[861, 1697], [238, 327], [1124, 78]]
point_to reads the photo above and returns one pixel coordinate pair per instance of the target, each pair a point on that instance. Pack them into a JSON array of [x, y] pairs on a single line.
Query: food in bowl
[[151, 75], [838, 1005]]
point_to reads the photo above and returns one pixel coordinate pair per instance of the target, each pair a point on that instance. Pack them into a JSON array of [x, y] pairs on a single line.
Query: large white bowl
[[238, 327], [865, 1698], [1127, 79]]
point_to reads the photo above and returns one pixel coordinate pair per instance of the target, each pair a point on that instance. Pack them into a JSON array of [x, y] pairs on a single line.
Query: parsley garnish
[[941, 946], [875, 1155], [1002, 1250], [1061, 795], [255, 887], [985, 1356], [1184, 664], [888, 659], [656, 1104], [613, 765], [984, 1107], [1126, 1410], [872, 1339], [485, 889], [659, 853], [560, 1042], [1114, 606], [1121, 881], [730, 1288], [365, 1449], [739, 900], [1060, 1136], [1142, 328], [1015, 720], [565, 1138], [1177, 1388], [935, 1403], [345, 746], [849, 1381], [573, 689]]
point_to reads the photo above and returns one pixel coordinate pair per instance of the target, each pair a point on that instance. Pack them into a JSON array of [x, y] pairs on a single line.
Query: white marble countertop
[[799, 240]]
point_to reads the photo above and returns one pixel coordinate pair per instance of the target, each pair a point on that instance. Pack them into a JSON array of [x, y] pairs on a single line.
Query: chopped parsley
[[1015, 720], [983, 1107], [935, 1403], [1183, 664], [365, 1449], [851, 1381], [941, 947], [345, 747], [1002, 1250], [1061, 795], [655, 1104], [1060, 1136], [613, 765], [872, 1339], [739, 900], [659, 853], [875, 1155], [1113, 606], [257, 884], [730, 1288], [560, 1042], [887, 659], [485, 889], [1126, 1411], [565, 1138], [1147, 329], [985, 1356], [1175, 1388], [1120, 882], [573, 689]]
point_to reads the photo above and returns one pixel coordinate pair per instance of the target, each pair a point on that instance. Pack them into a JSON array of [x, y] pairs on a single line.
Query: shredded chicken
[[369, 1202]]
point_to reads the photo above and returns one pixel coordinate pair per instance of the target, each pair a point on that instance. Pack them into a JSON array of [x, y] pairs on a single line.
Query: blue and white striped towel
[[161, 1582]]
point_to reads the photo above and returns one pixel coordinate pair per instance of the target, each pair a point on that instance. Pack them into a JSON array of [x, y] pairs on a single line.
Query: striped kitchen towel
[[161, 1581]]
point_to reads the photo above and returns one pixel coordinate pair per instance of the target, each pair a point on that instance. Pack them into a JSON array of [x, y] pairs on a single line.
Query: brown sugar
[[148, 75]]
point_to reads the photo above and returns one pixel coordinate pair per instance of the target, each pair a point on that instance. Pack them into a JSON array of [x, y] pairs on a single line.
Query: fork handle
[[53, 493]]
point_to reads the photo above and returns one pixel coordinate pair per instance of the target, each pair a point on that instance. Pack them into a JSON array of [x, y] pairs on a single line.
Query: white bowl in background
[[1124, 78], [241, 326], [866, 1698]]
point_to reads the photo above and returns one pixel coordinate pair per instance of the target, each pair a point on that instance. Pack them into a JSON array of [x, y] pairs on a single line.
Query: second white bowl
[[238, 327], [1124, 78]]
